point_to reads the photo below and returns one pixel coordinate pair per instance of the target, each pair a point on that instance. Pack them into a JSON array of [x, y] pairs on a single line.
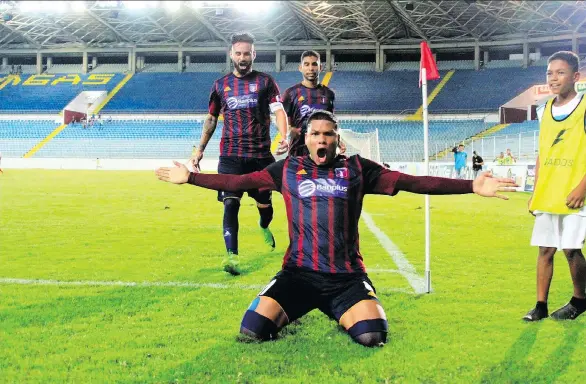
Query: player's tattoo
[[209, 127]]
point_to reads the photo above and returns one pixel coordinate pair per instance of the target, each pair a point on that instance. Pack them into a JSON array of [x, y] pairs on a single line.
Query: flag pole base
[[427, 281]]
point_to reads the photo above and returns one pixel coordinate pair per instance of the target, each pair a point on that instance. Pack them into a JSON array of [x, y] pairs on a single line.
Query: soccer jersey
[[299, 102], [244, 103], [324, 204], [562, 155]]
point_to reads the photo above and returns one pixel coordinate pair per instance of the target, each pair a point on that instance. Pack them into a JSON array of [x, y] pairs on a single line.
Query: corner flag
[[427, 71], [428, 63]]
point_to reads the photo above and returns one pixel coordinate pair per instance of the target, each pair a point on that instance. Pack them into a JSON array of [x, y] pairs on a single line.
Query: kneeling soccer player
[[323, 267]]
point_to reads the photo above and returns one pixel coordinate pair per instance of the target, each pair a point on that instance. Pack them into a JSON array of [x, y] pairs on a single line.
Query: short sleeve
[[273, 92], [215, 105], [276, 172]]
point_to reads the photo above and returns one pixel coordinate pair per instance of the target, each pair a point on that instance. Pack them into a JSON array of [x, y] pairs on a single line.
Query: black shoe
[[567, 312], [535, 315]]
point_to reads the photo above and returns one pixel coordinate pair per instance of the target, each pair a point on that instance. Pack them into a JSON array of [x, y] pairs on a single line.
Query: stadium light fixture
[[78, 6], [252, 7], [172, 6], [107, 4], [29, 6]]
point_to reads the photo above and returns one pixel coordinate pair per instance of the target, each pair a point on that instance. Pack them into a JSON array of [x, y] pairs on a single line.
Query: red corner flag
[[428, 63]]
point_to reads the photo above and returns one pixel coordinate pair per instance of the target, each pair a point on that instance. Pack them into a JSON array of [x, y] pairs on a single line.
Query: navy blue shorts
[[299, 291], [234, 165]]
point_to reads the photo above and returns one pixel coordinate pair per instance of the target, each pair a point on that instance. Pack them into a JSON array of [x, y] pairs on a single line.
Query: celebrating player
[[323, 267], [245, 98]]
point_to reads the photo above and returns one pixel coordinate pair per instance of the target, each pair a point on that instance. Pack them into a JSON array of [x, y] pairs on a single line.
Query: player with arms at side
[[303, 98], [246, 99], [323, 267], [560, 187]]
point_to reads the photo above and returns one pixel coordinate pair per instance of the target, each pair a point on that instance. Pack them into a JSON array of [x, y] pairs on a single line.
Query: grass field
[[90, 228]]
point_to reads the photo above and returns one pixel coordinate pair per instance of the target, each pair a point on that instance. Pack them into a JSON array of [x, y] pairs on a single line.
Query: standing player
[[560, 186], [323, 267], [303, 98], [246, 99]]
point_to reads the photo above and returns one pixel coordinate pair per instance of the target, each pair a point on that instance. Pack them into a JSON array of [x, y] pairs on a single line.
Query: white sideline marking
[[416, 281], [178, 284]]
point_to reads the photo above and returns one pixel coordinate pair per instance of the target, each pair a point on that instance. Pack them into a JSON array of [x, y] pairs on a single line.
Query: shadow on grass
[[515, 367]]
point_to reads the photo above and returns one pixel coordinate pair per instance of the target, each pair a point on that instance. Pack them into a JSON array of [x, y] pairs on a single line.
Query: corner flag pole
[[426, 168], [427, 71]]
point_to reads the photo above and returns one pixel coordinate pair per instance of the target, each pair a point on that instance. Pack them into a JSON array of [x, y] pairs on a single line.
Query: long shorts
[[241, 166], [299, 291], [559, 231]]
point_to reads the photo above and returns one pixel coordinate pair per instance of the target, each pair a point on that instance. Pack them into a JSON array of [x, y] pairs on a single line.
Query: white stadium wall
[[522, 172]]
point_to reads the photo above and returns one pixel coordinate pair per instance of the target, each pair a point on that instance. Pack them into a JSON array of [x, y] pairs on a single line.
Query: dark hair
[[242, 37], [310, 54], [569, 57], [461, 145], [322, 115]]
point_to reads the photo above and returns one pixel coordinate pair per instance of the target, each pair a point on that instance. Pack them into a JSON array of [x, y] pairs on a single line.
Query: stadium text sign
[[43, 80]]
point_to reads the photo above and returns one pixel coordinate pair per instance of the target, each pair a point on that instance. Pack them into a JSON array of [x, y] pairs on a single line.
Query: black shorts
[[299, 291], [241, 166]]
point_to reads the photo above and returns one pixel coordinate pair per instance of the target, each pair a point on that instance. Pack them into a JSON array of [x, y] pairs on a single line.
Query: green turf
[[114, 226]]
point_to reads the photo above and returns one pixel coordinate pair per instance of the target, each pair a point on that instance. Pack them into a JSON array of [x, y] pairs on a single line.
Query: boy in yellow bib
[[560, 186]]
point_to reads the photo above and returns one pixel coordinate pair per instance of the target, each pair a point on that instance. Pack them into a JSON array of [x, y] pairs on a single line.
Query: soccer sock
[[266, 216], [230, 226], [541, 306], [580, 304]]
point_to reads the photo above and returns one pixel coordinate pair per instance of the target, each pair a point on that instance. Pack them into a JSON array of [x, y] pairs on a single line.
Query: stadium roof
[[106, 24]]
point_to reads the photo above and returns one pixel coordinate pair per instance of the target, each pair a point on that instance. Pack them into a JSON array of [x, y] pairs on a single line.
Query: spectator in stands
[[509, 158], [558, 200], [100, 122], [477, 163], [13, 70], [20, 69], [460, 158]]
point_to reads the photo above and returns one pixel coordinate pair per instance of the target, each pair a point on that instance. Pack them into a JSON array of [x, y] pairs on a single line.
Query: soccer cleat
[[268, 237], [535, 315], [230, 264], [567, 312]]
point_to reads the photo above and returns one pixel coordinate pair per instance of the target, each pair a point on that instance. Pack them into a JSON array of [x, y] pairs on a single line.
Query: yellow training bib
[[562, 159]]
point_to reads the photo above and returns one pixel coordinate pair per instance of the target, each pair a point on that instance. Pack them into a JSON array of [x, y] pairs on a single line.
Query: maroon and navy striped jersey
[[244, 103], [323, 205], [299, 101]]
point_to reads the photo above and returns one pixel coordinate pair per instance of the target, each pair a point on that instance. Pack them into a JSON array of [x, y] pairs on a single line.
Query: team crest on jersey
[[341, 173], [252, 88]]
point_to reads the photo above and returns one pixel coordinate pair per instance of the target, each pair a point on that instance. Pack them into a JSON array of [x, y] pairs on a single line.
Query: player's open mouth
[[321, 154]]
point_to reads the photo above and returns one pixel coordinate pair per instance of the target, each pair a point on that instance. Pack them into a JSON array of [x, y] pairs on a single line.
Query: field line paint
[[149, 284], [405, 268]]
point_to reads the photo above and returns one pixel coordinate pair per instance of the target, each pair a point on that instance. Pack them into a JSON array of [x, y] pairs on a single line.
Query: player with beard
[[246, 99], [323, 267], [303, 98]]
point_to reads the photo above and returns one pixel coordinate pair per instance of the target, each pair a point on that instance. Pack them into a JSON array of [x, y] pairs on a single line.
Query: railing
[[524, 146]]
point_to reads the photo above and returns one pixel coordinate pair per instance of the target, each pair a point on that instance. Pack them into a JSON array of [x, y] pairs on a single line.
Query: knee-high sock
[[230, 227], [266, 216]]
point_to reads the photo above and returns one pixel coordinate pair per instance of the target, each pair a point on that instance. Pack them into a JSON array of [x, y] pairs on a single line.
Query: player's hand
[[195, 159], [575, 199], [283, 147], [529, 205], [176, 175], [342, 147], [486, 185]]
